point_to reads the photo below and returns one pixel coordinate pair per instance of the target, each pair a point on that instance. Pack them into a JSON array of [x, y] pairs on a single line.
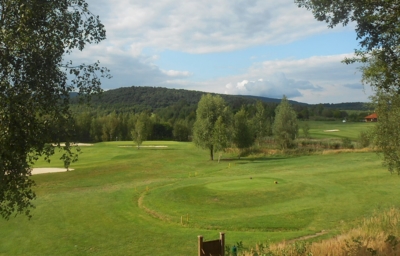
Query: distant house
[[371, 118]]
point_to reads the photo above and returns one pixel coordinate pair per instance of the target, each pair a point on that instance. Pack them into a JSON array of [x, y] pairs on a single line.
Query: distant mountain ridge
[[140, 98]]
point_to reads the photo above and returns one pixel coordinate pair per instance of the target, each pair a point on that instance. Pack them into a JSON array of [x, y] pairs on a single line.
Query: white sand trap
[[144, 146], [75, 144], [48, 170], [331, 130]]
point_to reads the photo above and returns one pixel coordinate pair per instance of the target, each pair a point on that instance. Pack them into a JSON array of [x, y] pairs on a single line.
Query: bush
[[346, 143], [334, 145], [364, 139]]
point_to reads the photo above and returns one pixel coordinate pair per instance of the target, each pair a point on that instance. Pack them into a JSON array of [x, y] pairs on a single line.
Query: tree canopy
[[210, 110], [285, 126], [35, 82], [243, 135]]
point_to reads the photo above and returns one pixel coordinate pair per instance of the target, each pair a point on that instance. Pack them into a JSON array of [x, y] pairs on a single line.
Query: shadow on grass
[[244, 160], [150, 148]]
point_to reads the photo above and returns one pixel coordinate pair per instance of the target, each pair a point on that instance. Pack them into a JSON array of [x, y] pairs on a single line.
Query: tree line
[[176, 121], [214, 125]]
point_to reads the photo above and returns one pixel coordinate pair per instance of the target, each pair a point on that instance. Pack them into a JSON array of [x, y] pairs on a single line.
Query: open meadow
[[155, 201], [335, 129]]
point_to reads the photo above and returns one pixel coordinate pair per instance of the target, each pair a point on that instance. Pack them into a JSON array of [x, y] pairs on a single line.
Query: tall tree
[[142, 129], [285, 126], [243, 135], [209, 109], [386, 132], [35, 82], [260, 122], [110, 124], [222, 134]]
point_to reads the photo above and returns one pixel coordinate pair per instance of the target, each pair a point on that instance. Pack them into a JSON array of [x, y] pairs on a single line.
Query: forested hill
[[349, 106], [173, 112], [138, 99]]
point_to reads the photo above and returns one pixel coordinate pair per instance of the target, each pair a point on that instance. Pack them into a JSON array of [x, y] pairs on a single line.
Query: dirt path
[[323, 232]]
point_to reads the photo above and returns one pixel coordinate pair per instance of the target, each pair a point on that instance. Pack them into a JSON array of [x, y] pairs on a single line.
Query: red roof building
[[371, 118]]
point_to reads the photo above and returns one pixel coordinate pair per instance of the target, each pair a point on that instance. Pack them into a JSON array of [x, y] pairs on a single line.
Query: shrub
[[346, 143], [364, 139]]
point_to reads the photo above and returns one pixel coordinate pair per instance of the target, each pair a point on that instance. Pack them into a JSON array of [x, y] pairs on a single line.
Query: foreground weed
[[376, 236]]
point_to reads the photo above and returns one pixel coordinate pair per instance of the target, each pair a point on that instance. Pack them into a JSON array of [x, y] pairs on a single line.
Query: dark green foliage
[[175, 102], [306, 130], [387, 133], [142, 129], [285, 127], [346, 143], [35, 37], [364, 139], [261, 122], [162, 131], [181, 131], [210, 109], [243, 135]]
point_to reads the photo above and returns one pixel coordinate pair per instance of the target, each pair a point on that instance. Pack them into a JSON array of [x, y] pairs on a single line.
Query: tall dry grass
[[377, 235]]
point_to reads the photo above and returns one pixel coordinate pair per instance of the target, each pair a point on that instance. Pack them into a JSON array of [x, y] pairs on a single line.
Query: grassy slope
[[319, 129], [123, 201]]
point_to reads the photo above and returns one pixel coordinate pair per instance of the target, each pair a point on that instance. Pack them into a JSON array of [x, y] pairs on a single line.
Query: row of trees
[[92, 126], [217, 128], [112, 127]]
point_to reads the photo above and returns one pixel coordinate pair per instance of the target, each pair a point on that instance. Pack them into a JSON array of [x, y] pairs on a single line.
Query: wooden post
[[200, 253], [222, 239]]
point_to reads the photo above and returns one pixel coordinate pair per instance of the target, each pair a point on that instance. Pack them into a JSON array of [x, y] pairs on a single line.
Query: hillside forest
[[169, 114]]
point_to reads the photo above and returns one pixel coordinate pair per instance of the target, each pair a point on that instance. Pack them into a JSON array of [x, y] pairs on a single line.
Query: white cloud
[[138, 30], [241, 86], [176, 73], [203, 26], [312, 80], [274, 86]]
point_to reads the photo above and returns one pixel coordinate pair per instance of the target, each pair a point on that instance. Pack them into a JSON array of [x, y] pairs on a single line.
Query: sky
[[240, 47]]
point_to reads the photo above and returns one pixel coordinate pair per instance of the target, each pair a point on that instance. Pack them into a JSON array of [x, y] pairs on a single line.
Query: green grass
[[320, 129], [124, 201]]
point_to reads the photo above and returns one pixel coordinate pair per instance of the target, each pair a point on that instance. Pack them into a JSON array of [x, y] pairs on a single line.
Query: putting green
[[247, 183], [233, 203]]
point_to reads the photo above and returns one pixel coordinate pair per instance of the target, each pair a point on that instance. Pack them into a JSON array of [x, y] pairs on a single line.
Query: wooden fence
[[212, 248]]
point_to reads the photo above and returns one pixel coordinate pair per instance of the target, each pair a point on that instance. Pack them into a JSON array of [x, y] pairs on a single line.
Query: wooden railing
[[212, 248]]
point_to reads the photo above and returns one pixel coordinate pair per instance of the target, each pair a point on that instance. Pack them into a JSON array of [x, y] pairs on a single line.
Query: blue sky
[[252, 47]]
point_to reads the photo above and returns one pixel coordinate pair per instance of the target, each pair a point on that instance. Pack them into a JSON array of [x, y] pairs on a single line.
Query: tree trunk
[[211, 153]]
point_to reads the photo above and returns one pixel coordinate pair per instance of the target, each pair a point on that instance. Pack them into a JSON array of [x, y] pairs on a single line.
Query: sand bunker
[[48, 170], [331, 130], [75, 144]]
